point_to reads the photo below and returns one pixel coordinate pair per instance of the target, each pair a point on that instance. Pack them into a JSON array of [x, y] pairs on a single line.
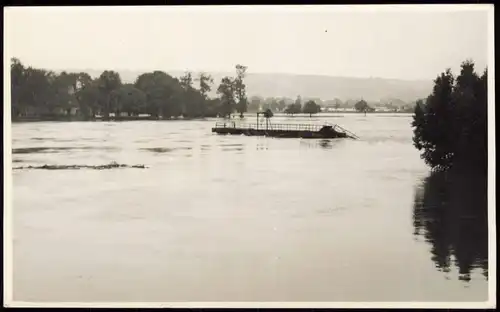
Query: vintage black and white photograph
[[247, 155]]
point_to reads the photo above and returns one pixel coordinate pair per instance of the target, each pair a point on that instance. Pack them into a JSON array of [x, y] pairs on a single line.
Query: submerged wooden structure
[[305, 131]]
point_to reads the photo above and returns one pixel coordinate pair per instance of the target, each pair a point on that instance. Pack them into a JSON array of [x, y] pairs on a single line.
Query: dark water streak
[[70, 167], [32, 150]]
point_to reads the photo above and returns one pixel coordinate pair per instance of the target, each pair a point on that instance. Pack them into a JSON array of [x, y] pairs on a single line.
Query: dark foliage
[[39, 93], [311, 108], [450, 128]]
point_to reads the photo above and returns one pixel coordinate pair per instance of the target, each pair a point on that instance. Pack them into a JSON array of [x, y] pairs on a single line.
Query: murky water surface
[[236, 218]]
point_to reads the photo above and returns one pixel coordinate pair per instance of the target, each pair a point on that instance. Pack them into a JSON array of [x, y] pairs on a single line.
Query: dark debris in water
[[42, 139], [112, 165], [165, 149], [30, 150], [158, 149]]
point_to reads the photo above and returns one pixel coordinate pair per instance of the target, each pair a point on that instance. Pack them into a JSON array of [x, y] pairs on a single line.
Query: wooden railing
[[270, 126], [284, 127]]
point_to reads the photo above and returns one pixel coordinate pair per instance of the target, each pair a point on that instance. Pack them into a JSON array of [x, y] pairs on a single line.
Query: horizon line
[[248, 73]]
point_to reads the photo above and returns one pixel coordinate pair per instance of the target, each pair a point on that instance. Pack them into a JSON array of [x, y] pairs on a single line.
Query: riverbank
[[111, 118], [143, 118]]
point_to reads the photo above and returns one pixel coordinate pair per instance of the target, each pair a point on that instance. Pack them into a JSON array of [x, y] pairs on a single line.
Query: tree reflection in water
[[451, 212], [325, 144]]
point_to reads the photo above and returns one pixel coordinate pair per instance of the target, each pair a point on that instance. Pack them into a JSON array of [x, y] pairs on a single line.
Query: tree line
[[310, 107], [284, 104], [43, 93], [450, 127]]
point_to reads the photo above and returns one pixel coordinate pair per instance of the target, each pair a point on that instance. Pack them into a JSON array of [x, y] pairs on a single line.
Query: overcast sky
[[410, 43]]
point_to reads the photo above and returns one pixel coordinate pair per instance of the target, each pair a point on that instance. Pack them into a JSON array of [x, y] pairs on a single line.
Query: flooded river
[[236, 218]]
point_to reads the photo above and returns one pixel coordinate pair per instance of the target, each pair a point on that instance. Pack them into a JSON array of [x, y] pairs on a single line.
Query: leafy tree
[[89, 99], [190, 99], [64, 94], [451, 128], [149, 85], [213, 107], [362, 106], [39, 91], [227, 97], [205, 84], [108, 82], [130, 100], [163, 94], [186, 81], [18, 83], [311, 108], [294, 108], [239, 89], [79, 81], [171, 93], [82, 80], [281, 105]]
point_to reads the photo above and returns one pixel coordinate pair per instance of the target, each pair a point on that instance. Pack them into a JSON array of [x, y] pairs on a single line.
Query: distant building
[[340, 109], [383, 109]]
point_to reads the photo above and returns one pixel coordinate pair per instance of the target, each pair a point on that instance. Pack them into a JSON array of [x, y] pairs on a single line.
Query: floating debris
[[31, 150], [112, 165], [158, 149], [165, 149]]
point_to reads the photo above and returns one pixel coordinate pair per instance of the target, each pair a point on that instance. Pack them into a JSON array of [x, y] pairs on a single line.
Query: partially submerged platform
[[305, 131]]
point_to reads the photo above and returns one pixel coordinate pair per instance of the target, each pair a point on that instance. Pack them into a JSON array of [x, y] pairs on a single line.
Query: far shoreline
[[151, 118]]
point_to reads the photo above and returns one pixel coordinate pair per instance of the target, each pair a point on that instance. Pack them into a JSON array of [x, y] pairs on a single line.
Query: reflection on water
[[322, 143], [450, 212], [42, 139], [325, 144]]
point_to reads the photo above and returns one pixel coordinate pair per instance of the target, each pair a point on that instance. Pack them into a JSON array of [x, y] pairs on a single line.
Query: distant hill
[[313, 86]]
